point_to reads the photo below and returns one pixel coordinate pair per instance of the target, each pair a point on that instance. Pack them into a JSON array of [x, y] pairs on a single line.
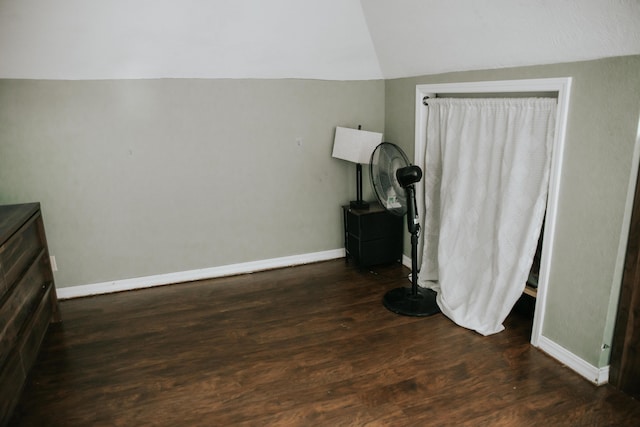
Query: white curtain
[[486, 177]]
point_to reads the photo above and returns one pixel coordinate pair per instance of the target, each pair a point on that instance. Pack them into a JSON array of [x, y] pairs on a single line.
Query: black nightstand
[[372, 236]]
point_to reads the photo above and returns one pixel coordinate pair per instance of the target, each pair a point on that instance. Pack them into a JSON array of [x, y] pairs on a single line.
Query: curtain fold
[[486, 178]]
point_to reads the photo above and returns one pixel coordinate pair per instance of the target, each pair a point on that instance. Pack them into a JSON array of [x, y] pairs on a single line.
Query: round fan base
[[403, 301]]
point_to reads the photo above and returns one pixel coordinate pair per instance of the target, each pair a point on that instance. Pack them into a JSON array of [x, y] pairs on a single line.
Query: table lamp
[[356, 145]]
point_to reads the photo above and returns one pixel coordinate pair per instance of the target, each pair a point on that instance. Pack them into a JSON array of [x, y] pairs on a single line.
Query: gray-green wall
[[145, 177], [597, 169]]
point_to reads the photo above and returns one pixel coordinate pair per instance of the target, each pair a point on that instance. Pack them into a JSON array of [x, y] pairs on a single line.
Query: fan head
[[409, 175], [386, 160]]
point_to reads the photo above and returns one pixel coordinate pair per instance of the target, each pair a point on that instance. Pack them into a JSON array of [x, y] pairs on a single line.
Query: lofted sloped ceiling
[[315, 39], [415, 37]]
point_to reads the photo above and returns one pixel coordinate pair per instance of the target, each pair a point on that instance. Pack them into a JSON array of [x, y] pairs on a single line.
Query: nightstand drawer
[[373, 252], [373, 226]]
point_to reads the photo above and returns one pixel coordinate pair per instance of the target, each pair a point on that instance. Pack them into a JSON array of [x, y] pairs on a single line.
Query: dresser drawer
[[3, 284], [12, 377], [13, 372], [19, 252], [27, 298], [20, 303], [38, 323]]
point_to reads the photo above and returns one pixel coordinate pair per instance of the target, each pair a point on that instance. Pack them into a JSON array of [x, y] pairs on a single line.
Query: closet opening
[[533, 299], [527, 303]]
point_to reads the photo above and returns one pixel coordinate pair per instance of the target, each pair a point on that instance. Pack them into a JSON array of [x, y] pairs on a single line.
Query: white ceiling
[[415, 37], [316, 39]]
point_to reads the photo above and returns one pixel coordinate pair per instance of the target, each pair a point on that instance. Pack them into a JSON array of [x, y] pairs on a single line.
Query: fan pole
[[414, 301], [414, 228], [414, 264]]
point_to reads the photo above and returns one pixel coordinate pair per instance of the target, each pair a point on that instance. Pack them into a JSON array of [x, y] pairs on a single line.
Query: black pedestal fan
[[393, 179]]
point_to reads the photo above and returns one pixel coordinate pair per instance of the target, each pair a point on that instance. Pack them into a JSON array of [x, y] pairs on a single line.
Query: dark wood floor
[[303, 346]]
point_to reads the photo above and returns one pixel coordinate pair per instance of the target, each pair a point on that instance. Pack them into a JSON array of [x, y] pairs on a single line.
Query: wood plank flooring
[[303, 346]]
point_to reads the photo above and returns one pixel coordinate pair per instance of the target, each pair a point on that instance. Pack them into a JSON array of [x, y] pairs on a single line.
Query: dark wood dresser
[[28, 301]]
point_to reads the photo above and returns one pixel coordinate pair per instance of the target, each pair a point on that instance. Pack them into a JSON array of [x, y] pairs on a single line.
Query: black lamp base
[[404, 301], [359, 204]]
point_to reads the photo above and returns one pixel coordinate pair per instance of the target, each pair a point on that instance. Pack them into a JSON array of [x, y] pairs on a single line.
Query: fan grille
[[386, 159]]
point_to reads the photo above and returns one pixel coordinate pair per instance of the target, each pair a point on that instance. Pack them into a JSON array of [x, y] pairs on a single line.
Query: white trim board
[[199, 274], [598, 376]]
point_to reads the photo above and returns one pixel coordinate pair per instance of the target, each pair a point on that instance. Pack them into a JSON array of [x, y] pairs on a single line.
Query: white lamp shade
[[355, 145]]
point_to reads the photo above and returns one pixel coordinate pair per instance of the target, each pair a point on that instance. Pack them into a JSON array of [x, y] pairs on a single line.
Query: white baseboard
[[598, 376], [191, 275]]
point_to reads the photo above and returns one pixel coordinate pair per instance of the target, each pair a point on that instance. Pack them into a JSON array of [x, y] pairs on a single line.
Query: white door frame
[[560, 85]]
